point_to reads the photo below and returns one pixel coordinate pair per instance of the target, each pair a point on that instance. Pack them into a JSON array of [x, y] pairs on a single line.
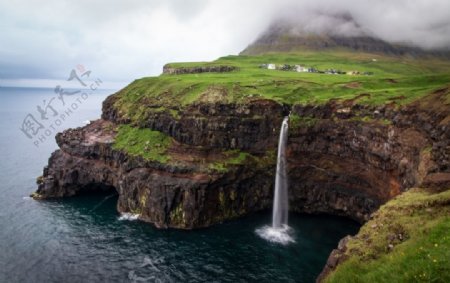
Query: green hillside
[[393, 79]]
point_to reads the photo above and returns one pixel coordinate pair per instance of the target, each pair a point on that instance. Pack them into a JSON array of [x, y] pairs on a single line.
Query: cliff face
[[252, 126], [344, 159], [166, 195]]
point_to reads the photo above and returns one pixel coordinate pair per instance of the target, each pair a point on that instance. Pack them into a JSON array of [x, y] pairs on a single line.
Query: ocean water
[[81, 239]]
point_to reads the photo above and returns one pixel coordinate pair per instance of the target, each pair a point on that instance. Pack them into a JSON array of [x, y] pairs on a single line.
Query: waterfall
[[280, 198], [280, 232]]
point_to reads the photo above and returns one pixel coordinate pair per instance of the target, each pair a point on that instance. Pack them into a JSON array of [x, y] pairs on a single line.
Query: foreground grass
[[408, 240]]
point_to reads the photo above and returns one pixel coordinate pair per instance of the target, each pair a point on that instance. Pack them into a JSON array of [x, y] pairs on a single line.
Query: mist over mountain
[[320, 30], [126, 40]]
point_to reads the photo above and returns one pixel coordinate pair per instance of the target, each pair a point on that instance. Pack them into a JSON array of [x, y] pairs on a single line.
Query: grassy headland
[[394, 79]]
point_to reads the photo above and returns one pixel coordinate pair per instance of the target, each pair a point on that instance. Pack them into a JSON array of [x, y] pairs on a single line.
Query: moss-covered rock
[[406, 240], [151, 145]]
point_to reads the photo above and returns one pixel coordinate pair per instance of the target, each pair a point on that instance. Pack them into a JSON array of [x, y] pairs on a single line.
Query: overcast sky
[[123, 40]]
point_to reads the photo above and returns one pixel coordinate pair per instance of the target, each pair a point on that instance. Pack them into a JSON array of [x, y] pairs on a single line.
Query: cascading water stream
[[280, 232], [280, 199]]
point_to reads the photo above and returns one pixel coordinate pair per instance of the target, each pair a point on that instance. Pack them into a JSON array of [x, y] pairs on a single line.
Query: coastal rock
[[336, 256], [168, 196], [338, 163]]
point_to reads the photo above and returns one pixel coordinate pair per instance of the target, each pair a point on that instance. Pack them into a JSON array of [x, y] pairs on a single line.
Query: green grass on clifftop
[[395, 79], [408, 240], [151, 145]]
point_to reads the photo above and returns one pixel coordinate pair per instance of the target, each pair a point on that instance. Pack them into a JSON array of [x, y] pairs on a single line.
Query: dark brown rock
[[336, 256], [166, 195]]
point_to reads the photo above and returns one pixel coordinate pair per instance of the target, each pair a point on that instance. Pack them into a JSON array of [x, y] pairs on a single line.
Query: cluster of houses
[[303, 69]]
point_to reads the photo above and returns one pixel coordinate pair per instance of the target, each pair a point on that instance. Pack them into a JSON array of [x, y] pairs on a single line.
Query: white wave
[[128, 216], [283, 235]]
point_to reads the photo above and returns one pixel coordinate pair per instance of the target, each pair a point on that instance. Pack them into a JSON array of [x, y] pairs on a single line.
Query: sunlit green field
[[397, 80]]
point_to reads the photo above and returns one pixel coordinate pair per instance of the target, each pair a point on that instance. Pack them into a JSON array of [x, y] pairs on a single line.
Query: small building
[[353, 73], [300, 68], [271, 67]]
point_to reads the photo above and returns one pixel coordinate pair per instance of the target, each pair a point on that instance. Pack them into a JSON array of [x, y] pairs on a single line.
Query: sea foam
[[128, 216], [283, 235]]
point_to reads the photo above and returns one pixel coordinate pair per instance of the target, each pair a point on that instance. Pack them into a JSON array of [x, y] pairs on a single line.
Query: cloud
[[419, 22], [124, 40]]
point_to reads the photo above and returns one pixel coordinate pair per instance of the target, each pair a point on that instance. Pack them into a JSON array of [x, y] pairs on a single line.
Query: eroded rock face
[[252, 127], [168, 196], [344, 159], [358, 165], [350, 159]]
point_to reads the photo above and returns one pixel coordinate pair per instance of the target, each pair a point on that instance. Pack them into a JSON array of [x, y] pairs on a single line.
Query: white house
[[300, 68], [271, 67], [353, 73]]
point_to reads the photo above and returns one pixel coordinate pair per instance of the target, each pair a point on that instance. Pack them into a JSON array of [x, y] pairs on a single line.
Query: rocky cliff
[[344, 158]]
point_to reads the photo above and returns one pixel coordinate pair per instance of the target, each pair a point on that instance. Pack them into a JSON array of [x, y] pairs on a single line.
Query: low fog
[[123, 40]]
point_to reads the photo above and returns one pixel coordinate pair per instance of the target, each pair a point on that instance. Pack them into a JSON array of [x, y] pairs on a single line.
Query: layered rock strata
[[344, 159]]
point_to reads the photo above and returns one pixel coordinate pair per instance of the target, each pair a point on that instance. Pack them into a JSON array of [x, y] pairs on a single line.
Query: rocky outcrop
[[344, 159], [336, 257], [166, 195], [168, 69]]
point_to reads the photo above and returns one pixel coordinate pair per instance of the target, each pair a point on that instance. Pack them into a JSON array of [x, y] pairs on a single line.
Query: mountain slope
[[342, 32]]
